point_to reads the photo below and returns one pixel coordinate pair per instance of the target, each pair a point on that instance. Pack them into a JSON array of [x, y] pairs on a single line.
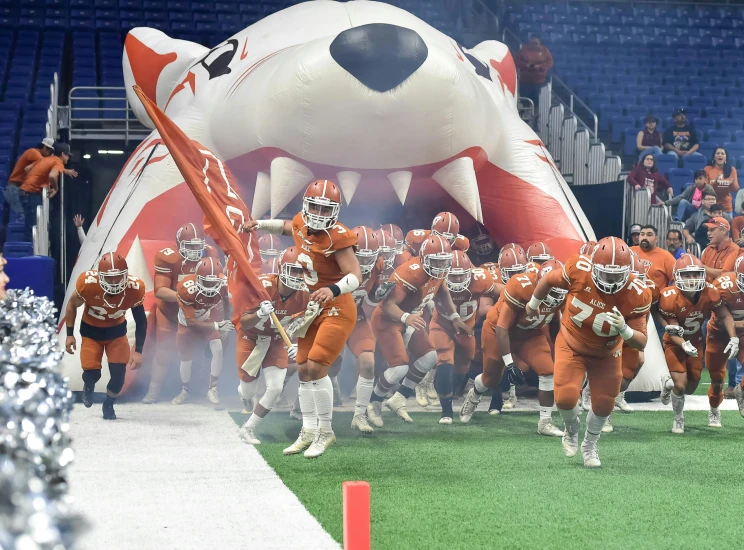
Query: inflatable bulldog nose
[[379, 55]]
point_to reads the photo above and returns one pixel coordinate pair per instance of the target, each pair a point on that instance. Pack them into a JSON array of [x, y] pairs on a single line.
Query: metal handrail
[[62, 232], [105, 128], [45, 221]]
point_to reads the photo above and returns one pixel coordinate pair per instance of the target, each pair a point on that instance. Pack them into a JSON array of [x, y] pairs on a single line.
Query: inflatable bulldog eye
[[221, 56], [481, 69]]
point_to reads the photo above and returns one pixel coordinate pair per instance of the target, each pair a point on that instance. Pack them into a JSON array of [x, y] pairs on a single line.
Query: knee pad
[[118, 371], [274, 378], [443, 379], [247, 390], [215, 346], [90, 377], [394, 375], [426, 362], [545, 383]]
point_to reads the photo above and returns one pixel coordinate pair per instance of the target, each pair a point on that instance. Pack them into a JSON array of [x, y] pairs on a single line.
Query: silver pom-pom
[[35, 406]]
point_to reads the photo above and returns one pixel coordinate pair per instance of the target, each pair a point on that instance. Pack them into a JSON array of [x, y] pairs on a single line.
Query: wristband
[[275, 227], [507, 359], [404, 317], [70, 331], [627, 333], [336, 291], [535, 303], [348, 284], [217, 326]]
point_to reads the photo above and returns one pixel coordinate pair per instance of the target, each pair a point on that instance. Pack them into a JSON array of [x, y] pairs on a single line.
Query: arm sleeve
[[668, 137], [662, 182], [633, 178], [81, 234], [693, 137], [548, 60], [140, 331]]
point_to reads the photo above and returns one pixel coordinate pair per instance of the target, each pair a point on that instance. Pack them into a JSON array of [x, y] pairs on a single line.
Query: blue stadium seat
[[623, 99], [636, 111], [715, 113], [665, 162], [693, 112], [618, 126], [679, 178], [731, 124], [637, 89], [663, 89], [607, 112], [706, 148], [718, 136], [18, 249], [700, 102], [739, 135], [694, 162], [629, 141], [14, 232], [735, 149]]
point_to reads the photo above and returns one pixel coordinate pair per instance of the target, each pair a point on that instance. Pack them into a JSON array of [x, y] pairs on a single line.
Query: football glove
[[675, 330], [516, 378], [265, 309], [732, 348], [383, 290], [689, 349], [616, 320], [292, 352], [224, 327]]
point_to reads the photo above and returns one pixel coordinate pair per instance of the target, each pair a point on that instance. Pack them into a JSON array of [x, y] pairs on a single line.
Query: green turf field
[[497, 484]]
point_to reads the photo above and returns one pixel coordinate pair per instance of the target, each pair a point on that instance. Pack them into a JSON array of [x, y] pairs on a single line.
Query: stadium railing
[[100, 113]]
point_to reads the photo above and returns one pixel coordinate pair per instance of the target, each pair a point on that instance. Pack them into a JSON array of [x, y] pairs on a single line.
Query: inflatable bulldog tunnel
[[404, 118]]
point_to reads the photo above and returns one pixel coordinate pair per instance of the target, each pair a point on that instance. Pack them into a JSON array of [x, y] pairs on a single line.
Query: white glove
[[265, 309], [224, 327], [732, 348], [674, 330], [383, 290], [292, 352], [689, 349], [616, 320]]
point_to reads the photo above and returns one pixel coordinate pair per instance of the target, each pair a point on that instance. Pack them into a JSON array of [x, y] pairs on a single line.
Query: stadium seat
[[703, 125], [718, 136], [731, 124], [619, 124], [14, 232], [739, 136], [694, 162], [665, 162], [734, 149], [629, 141], [637, 111], [18, 249], [679, 178], [606, 113], [715, 113]]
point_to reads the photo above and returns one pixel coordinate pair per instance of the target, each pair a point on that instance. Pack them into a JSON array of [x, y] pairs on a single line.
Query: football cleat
[[421, 395], [323, 440], [431, 391], [666, 389], [182, 397], [546, 427], [152, 394], [108, 409], [607, 428], [361, 423], [88, 396], [586, 398], [571, 438], [247, 435], [591, 454], [445, 420], [494, 412], [714, 419], [469, 406], [511, 402], [213, 395], [397, 404], [621, 404], [739, 395], [679, 425], [303, 441], [374, 414]]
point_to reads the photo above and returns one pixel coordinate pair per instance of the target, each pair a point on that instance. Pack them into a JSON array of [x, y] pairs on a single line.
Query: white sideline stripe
[[166, 476]]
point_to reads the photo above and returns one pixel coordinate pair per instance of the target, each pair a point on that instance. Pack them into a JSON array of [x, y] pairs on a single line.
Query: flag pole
[[280, 330]]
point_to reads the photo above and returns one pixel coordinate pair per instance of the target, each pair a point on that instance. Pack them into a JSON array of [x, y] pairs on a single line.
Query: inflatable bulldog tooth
[[359, 92]]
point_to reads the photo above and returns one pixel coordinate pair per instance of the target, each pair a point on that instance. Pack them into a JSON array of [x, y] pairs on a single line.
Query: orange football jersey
[[416, 237], [284, 309], [584, 322], [674, 305], [102, 310], [369, 284], [402, 258], [414, 288], [316, 251], [170, 269], [655, 290], [733, 299], [516, 295], [195, 305], [493, 269], [466, 302]]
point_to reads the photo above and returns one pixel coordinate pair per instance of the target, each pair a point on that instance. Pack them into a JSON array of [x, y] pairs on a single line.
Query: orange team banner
[[213, 187]]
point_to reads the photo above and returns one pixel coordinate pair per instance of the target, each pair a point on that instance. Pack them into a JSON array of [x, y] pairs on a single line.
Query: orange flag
[[214, 189]]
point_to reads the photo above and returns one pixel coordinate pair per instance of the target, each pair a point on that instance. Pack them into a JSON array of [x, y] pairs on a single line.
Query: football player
[[444, 224], [332, 273], [483, 247], [107, 294], [605, 306], [270, 247], [260, 347], [397, 234], [684, 308], [538, 253], [417, 282], [171, 266], [202, 300], [456, 349], [513, 342]]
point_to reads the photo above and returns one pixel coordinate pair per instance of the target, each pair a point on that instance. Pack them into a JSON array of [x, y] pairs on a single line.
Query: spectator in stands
[[634, 237], [694, 229], [722, 177], [662, 262], [78, 220], [645, 175], [674, 243], [533, 61], [720, 248], [688, 201], [737, 225], [44, 173], [681, 139], [22, 167], [648, 140]]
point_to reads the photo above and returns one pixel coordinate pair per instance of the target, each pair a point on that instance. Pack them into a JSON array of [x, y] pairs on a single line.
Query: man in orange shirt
[[662, 261], [44, 173], [22, 167], [721, 250]]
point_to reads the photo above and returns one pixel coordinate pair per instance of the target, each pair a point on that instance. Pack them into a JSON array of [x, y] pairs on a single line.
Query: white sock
[[215, 346], [408, 383], [392, 376], [252, 421], [594, 425], [714, 409], [323, 394], [678, 404], [569, 415], [185, 372], [480, 387], [546, 413], [307, 406], [364, 388]]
